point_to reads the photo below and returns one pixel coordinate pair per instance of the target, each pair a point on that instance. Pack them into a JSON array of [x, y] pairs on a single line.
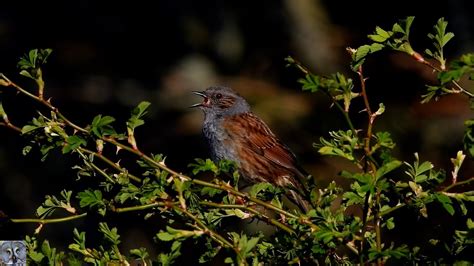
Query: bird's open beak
[[205, 102]]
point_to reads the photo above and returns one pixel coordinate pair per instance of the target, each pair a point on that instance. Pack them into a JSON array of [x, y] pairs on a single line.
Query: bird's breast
[[220, 143]]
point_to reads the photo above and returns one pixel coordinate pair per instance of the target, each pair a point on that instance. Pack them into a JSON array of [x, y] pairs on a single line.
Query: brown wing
[[256, 135]]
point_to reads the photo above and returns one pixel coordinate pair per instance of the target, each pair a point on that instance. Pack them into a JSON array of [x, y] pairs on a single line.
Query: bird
[[235, 133]]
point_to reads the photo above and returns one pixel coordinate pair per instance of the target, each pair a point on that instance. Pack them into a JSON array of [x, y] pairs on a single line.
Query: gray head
[[221, 101]]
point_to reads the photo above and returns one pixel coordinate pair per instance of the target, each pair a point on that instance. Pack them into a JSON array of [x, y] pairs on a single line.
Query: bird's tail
[[299, 201]]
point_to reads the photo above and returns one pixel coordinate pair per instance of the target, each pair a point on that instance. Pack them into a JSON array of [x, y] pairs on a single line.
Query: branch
[[11, 126], [467, 181], [46, 103], [50, 221], [212, 234], [306, 71], [422, 60], [102, 172], [109, 162], [259, 215], [144, 207], [223, 187], [159, 165]]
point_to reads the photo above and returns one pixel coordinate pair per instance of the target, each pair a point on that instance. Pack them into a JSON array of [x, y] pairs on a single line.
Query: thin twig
[[212, 234], [46, 103], [368, 163], [223, 187], [10, 126], [143, 207], [49, 221], [259, 215], [109, 162], [460, 183], [102, 172], [161, 165], [306, 71], [455, 83]]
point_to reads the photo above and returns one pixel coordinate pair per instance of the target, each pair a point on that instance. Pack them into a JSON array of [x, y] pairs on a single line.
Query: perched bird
[[234, 133]]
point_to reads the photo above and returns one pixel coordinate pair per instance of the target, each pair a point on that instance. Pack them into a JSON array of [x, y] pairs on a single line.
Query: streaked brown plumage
[[235, 133]]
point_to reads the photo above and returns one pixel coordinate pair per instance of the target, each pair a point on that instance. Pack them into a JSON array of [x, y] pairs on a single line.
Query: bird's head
[[221, 101]]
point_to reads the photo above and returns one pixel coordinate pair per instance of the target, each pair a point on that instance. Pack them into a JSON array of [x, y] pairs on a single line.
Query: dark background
[[108, 56]]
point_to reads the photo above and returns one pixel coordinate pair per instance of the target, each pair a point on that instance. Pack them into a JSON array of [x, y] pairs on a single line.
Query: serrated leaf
[[238, 213], [26, 74], [110, 234], [26, 150], [72, 143], [388, 167], [92, 199], [382, 32], [260, 187], [141, 253], [165, 236], [377, 38], [446, 202], [390, 223], [101, 126], [447, 37], [137, 113]]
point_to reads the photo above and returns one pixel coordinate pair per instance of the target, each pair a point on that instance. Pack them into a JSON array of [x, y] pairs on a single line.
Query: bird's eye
[[218, 96]]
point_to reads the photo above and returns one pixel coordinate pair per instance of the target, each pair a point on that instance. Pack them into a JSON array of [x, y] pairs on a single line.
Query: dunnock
[[234, 133]]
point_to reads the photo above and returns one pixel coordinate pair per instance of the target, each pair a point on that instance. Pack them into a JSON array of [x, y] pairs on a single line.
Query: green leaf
[[166, 259], [390, 223], [28, 128], [30, 63], [165, 236], [384, 139], [101, 126], [342, 144], [203, 166], [72, 143], [2, 111], [363, 51], [109, 234], [33, 55], [211, 192], [92, 199], [446, 202], [352, 198], [36, 256], [52, 203], [260, 188], [141, 253], [175, 234], [237, 212], [388, 167], [137, 113], [468, 138]]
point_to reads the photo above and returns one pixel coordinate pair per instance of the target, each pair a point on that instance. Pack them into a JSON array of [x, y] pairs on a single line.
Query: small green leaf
[[28, 128], [72, 143], [141, 253], [388, 167], [175, 234], [203, 166], [92, 199], [446, 202], [165, 236], [26, 150], [390, 223], [137, 113], [110, 234], [101, 126], [260, 188]]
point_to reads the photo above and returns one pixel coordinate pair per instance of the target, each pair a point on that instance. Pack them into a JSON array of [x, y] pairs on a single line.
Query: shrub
[[192, 210]]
